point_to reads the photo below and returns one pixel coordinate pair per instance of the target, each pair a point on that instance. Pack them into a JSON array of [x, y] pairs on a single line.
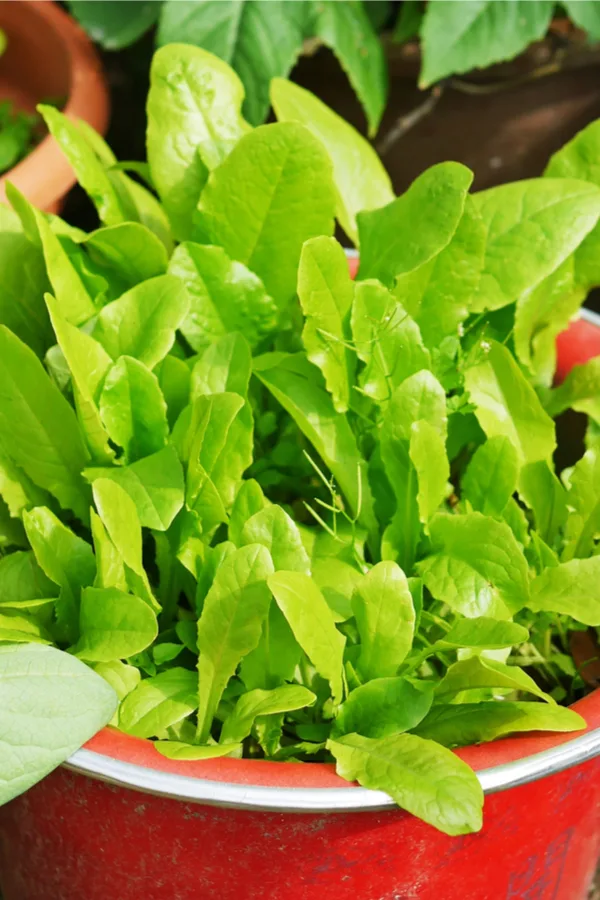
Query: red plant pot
[[120, 822]]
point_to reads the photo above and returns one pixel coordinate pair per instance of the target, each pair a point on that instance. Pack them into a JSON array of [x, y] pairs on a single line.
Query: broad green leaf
[[288, 697], [311, 620], [133, 409], [230, 626], [155, 484], [22, 629], [34, 415], [52, 695], [337, 580], [570, 589], [142, 323], [360, 179], [387, 340], [158, 703], [385, 618], [90, 171], [483, 633], [275, 530], [122, 678], [537, 224], [174, 379], [345, 28], [546, 497], [283, 167], [24, 280], [541, 315], [197, 98], [457, 37], [325, 292], [113, 625], [276, 656], [128, 251], [477, 672], [225, 296], [120, 518], [506, 404], [21, 578], [258, 41], [12, 533], [179, 750], [384, 706], [16, 490], [248, 501], [88, 363], [420, 398], [388, 243], [583, 501], [110, 569], [296, 384], [427, 451], [579, 391], [419, 775], [115, 25], [476, 566], [491, 477], [438, 293], [408, 21], [461, 724], [586, 15], [66, 559], [224, 366]]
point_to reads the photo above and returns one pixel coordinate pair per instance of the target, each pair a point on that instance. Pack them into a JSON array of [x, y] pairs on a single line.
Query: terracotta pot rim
[[46, 168]]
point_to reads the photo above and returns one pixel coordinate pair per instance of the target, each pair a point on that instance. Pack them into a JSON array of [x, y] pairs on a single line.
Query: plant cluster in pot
[[288, 531], [46, 57]]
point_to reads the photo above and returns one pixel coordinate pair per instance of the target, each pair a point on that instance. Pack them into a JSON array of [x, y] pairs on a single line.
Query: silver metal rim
[[343, 799]]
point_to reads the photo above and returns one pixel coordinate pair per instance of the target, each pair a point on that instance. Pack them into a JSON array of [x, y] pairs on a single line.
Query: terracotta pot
[[48, 56], [120, 821]]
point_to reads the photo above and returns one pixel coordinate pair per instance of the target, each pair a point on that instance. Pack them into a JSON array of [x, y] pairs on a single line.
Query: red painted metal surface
[[75, 838], [580, 342]]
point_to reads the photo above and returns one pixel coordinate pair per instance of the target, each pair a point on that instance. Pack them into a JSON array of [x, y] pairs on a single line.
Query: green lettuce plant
[[269, 511]]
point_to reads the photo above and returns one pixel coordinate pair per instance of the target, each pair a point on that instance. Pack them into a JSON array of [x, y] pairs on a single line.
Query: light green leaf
[[570, 589], [546, 497], [384, 706], [482, 633], [155, 484], [133, 409], [537, 224], [387, 340], [230, 626], [283, 167], [275, 530], [419, 775], [325, 294], [427, 451], [248, 501], [121, 677], [579, 391], [506, 404], [21, 579], [159, 702], [115, 25], [477, 672], [491, 477], [438, 293], [388, 243], [457, 37], [88, 363], [385, 618], [337, 580], [296, 384], [110, 569], [113, 625], [16, 489], [408, 21], [311, 620], [476, 567], [583, 501], [142, 323], [66, 559], [197, 97], [462, 724], [224, 296], [54, 696], [128, 251], [174, 379], [257, 40], [345, 28], [225, 366], [22, 629], [179, 750], [288, 697], [276, 656], [360, 179]]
